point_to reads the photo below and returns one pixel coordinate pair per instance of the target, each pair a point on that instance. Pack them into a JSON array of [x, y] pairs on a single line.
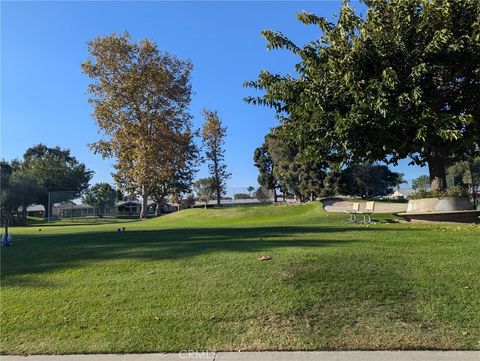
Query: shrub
[[450, 192]]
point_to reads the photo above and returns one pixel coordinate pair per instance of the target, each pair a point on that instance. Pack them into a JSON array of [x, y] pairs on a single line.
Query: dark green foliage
[[367, 180], [455, 191], [296, 175]]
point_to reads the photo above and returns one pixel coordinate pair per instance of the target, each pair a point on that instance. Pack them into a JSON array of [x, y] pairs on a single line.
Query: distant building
[[36, 210], [69, 209], [402, 193]]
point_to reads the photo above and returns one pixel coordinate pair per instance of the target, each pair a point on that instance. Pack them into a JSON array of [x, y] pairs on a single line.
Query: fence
[[67, 206]]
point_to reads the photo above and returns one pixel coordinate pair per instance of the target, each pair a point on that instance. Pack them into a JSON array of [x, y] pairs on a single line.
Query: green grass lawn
[[191, 280]]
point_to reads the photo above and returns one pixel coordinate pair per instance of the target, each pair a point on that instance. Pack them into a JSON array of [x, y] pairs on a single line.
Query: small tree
[[188, 201], [101, 196], [141, 98], [421, 183], [368, 180], [250, 189], [205, 190], [466, 175], [241, 196], [213, 139], [262, 194]]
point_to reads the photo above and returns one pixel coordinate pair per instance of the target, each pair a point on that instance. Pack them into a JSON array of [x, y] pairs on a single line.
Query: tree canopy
[[403, 82]]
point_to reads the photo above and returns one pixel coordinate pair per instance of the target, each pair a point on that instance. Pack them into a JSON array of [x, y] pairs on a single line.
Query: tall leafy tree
[[140, 97], [55, 170], [402, 83], [214, 134], [421, 183]]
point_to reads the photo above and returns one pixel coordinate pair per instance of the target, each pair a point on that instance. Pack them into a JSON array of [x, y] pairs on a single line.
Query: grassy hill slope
[[191, 280]]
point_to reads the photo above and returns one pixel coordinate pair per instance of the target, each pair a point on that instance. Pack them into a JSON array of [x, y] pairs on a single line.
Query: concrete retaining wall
[[446, 204]]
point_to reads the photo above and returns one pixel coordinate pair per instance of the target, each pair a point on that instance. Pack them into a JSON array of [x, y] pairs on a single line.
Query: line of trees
[[283, 169]]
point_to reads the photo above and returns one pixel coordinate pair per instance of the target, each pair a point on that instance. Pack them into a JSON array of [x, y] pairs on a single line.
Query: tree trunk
[[275, 196], [158, 208], [24, 215], [218, 191], [438, 177], [144, 209], [48, 211]]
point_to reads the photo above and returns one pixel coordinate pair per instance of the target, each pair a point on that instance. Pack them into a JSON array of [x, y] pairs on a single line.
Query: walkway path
[[268, 356]]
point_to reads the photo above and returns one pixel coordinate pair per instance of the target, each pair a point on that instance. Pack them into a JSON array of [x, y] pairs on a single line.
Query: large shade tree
[[141, 98], [403, 82]]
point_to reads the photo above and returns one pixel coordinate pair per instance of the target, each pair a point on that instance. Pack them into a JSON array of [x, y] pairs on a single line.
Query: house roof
[[403, 192], [149, 202], [36, 208]]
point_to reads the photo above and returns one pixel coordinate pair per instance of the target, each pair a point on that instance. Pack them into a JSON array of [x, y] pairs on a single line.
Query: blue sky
[[43, 92]]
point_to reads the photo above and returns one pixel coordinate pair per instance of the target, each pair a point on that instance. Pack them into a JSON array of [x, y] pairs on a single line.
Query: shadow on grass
[[358, 302], [46, 252]]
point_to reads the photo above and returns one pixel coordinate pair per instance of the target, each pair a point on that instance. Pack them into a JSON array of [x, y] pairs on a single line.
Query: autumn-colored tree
[[213, 139], [140, 97], [176, 182]]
